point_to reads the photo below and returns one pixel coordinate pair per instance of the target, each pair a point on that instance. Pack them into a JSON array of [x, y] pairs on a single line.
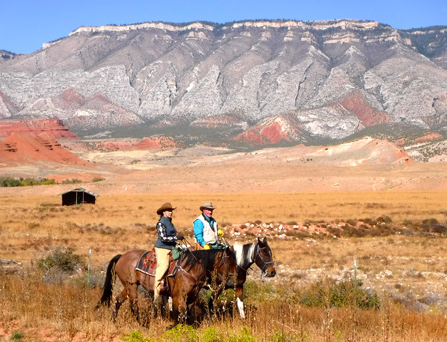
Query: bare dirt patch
[[366, 165]]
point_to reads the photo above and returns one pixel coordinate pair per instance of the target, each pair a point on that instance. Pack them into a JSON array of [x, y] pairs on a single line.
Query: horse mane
[[244, 253], [205, 257]]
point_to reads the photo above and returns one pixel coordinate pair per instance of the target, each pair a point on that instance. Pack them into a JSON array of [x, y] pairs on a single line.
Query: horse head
[[225, 264], [263, 258]]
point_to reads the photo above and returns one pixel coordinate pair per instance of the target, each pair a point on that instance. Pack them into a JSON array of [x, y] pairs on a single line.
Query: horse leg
[[239, 293], [132, 293], [206, 302], [120, 299], [213, 294], [179, 309], [165, 306]]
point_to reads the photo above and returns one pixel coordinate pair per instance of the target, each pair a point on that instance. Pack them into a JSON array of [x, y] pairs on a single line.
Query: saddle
[[148, 264]]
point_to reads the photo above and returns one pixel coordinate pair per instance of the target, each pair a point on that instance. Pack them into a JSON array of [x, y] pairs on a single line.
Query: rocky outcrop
[[357, 104], [53, 127], [329, 78], [271, 131], [30, 148]]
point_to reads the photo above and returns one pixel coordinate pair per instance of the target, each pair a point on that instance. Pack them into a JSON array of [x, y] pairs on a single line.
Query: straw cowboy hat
[[166, 206], [207, 205]]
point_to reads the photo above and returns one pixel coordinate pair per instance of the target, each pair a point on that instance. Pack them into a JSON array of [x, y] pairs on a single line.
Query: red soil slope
[[53, 127], [29, 148]]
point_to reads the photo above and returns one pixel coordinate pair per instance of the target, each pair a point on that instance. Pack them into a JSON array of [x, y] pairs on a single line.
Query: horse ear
[[265, 240]]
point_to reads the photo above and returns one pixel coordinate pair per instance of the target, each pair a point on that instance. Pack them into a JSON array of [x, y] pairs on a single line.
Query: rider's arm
[[161, 230], [198, 232]]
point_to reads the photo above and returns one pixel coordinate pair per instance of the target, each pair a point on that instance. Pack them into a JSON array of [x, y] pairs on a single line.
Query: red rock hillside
[[270, 131], [53, 127], [29, 148], [156, 142], [356, 103]]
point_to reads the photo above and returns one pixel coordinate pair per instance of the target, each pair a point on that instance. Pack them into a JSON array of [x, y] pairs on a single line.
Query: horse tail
[[108, 283]]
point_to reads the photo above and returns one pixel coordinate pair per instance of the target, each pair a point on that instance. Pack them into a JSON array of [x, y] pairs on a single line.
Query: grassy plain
[[403, 269]]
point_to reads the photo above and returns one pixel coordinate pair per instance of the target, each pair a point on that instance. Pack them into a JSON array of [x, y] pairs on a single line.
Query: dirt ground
[[367, 165], [204, 170]]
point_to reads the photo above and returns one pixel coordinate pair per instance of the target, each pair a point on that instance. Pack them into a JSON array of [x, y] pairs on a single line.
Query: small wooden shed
[[78, 196]]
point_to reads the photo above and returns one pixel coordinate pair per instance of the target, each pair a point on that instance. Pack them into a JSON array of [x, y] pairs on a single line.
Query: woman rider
[[167, 238]]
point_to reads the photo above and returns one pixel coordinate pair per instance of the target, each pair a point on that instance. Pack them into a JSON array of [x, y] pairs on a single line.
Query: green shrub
[[16, 336], [29, 182], [71, 181], [341, 294], [12, 182], [181, 333], [9, 182], [64, 260], [135, 336], [244, 336], [210, 334], [48, 181], [279, 336]]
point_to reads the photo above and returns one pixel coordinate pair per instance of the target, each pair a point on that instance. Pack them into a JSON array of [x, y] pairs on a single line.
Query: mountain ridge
[[328, 79]]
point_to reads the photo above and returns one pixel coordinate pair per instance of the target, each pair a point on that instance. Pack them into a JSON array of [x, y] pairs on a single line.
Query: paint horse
[[184, 282], [258, 252]]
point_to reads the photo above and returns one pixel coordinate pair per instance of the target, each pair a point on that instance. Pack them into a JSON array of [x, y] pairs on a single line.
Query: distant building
[[78, 196]]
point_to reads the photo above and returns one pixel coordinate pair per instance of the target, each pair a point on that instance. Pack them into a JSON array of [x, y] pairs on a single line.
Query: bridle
[[258, 254], [222, 262]]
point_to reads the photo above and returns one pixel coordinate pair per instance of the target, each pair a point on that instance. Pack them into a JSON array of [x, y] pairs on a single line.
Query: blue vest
[[167, 234]]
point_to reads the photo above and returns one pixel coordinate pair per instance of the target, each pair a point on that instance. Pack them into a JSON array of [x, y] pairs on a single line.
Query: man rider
[[206, 232]]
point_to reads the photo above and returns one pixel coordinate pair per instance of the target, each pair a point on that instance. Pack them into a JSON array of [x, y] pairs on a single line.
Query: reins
[[222, 262], [186, 243]]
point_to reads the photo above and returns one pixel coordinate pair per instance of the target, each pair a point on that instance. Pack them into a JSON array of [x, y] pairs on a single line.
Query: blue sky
[[26, 24]]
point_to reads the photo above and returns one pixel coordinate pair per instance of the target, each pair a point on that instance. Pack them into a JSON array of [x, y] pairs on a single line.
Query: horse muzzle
[[270, 272]]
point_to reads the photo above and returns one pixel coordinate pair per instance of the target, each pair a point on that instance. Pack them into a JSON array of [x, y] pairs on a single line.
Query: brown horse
[[258, 252], [184, 285]]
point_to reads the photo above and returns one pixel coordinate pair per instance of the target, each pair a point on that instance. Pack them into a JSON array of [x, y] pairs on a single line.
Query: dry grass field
[[405, 266]]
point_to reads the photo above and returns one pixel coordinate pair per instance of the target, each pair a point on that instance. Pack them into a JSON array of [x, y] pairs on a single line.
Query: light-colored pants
[[162, 266]]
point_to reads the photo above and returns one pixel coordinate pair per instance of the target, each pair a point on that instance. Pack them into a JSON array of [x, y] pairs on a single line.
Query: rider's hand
[[206, 246], [180, 237], [220, 232]]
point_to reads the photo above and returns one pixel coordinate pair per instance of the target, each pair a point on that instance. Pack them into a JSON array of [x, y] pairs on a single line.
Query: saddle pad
[[147, 263]]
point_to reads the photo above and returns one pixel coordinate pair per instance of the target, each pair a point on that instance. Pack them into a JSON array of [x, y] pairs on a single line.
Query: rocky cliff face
[[325, 79]]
